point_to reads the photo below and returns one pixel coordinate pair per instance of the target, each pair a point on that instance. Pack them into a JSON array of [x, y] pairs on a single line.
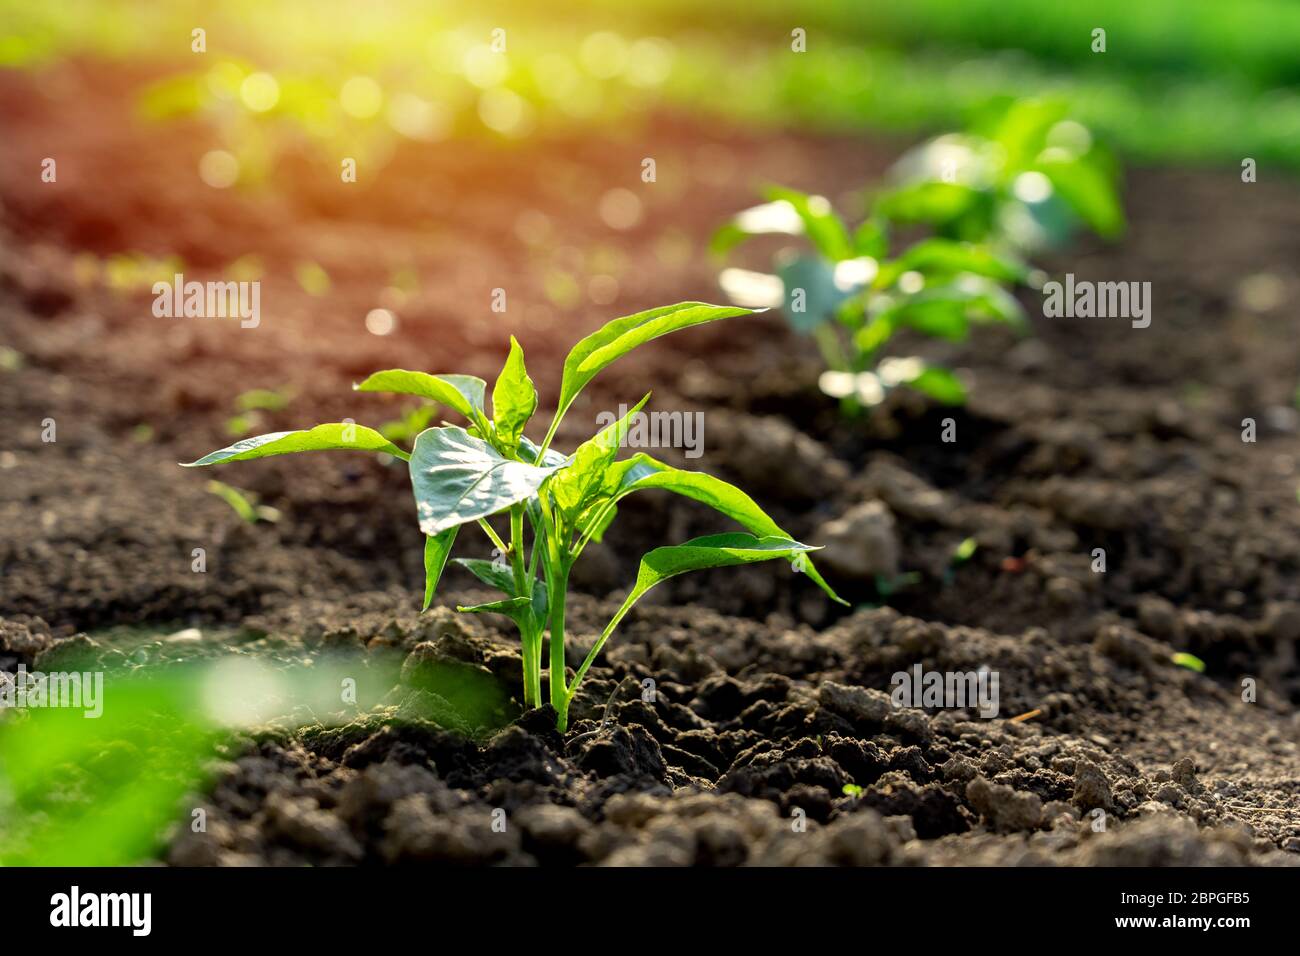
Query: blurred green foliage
[[1181, 80]]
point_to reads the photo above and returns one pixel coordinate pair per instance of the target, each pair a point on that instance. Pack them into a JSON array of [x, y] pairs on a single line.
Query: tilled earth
[[727, 716]]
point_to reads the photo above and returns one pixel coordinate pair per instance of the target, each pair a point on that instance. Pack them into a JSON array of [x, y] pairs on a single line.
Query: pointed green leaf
[[491, 573], [514, 399], [459, 478], [620, 336], [495, 576], [574, 484], [872, 238], [940, 384], [511, 607], [528, 450], [436, 549], [946, 258], [464, 393], [335, 435], [772, 218], [642, 472], [1089, 193], [822, 295], [824, 229], [710, 551], [602, 512]]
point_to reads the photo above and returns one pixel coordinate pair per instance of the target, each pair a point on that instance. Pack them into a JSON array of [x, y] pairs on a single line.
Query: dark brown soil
[[768, 699]]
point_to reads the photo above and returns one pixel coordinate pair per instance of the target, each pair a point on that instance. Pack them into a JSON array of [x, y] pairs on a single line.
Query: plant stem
[[530, 637], [557, 586], [496, 538], [828, 343]]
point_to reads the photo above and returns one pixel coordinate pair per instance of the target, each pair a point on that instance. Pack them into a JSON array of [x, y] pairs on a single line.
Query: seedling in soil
[[243, 503], [1190, 661], [1028, 176], [852, 297], [464, 475]]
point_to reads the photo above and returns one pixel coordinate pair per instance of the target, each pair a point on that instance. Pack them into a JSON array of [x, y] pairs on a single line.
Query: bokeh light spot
[[218, 168], [380, 322], [260, 92]]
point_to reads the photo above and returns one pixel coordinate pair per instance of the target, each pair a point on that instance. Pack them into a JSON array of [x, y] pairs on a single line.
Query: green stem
[[557, 586], [595, 649], [496, 538], [530, 637], [828, 343]]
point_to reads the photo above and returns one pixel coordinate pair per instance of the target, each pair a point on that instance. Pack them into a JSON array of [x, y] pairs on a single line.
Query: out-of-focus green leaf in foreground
[[84, 791], [77, 790]]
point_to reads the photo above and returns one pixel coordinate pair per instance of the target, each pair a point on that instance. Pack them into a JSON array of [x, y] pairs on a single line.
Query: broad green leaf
[[872, 238], [824, 229], [618, 337], [514, 399], [519, 609], [100, 792], [642, 472], [490, 573], [1022, 130], [464, 393], [335, 435], [937, 203], [939, 316], [1089, 193], [947, 257], [528, 452], [574, 484], [459, 478], [812, 296], [940, 384], [710, 551], [767, 219], [436, 549]]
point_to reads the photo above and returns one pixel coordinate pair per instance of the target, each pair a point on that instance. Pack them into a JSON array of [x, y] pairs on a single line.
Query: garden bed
[[768, 698]]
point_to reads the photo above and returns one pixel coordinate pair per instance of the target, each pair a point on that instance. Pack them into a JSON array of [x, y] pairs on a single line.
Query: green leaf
[[822, 297], [494, 576], [464, 393], [618, 337], [573, 485], [519, 609], [947, 257], [335, 435], [237, 500], [602, 512], [938, 315], [1022, 130], [1089, 193], [514, 399], [490, 573], [528, 452], [511, 607], [710, 551], [824, 229], [459, 478], [642, 472], [940, 384], [773, 218], [1190, 661], [436, 549], [872, 238], [937, 203]]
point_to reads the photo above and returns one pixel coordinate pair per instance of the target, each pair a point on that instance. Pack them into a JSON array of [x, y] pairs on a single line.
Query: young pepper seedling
[[464, 475]]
